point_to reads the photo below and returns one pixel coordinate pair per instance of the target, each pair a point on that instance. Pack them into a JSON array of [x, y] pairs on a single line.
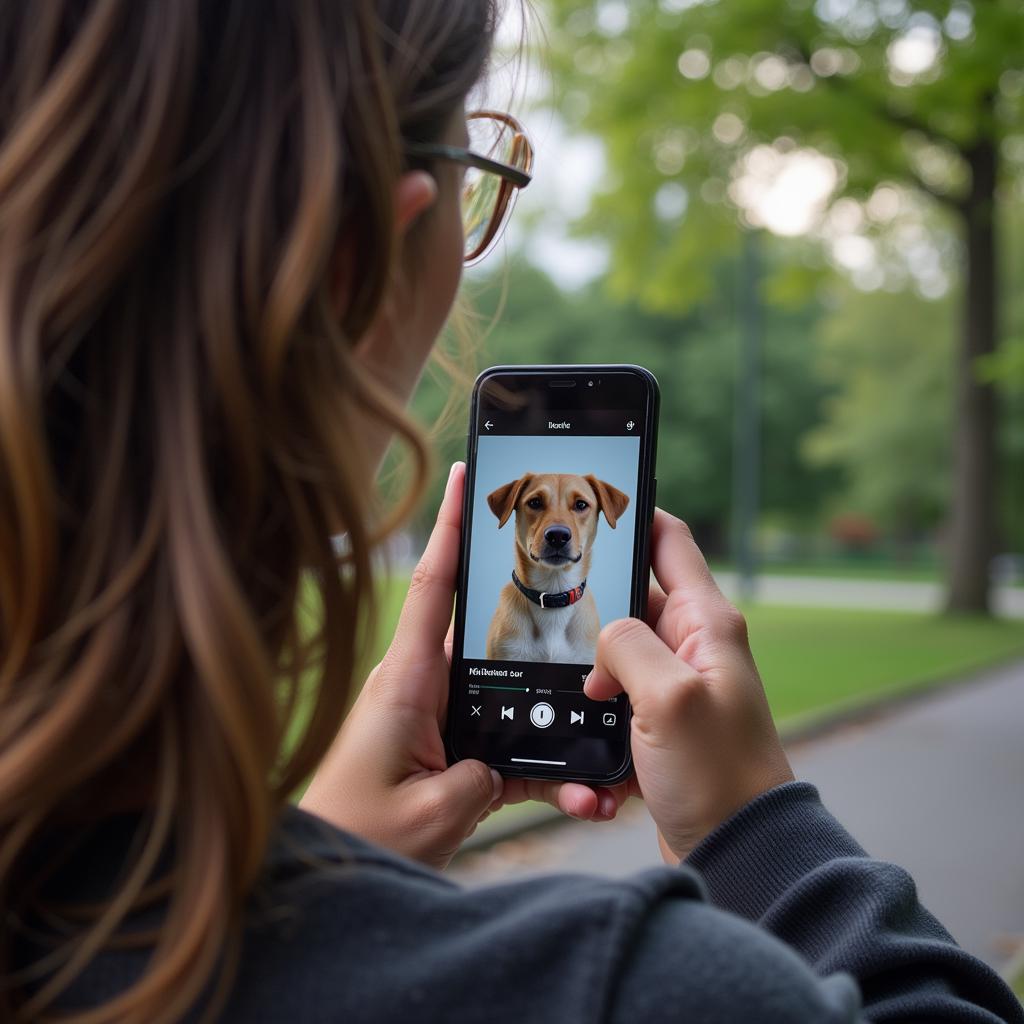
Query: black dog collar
[[546, 600]]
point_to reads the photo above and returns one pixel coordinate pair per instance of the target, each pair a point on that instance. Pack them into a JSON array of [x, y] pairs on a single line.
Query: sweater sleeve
[[697, 963], [785, 863]]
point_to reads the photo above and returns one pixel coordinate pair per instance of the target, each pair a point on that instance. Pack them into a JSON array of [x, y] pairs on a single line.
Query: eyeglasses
[[498, 164]]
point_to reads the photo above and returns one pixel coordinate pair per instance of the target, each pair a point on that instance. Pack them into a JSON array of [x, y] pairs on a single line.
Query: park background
[[806, 217]]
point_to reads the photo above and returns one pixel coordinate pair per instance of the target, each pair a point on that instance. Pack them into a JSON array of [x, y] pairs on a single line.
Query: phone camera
[[590, 383]]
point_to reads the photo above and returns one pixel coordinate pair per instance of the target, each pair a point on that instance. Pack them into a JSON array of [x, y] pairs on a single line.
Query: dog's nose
[[558, 536]]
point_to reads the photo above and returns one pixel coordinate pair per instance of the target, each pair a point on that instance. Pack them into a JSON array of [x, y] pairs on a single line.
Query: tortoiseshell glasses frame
[[489, 194]]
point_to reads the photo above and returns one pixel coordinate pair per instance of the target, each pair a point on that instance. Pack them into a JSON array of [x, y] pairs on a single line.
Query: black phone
[[557, 512]]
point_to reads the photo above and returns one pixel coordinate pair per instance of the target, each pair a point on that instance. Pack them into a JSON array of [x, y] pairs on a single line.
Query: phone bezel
[[646, 487]]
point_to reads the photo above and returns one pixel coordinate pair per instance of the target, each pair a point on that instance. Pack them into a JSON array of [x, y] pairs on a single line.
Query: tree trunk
[[971, 540]]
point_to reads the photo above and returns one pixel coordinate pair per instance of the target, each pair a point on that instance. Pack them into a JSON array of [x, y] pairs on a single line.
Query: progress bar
[[533, 760]]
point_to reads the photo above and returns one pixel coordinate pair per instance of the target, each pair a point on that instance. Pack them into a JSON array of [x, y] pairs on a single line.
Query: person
[[230, 233]]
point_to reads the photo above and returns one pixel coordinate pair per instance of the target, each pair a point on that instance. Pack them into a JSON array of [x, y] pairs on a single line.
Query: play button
[[542, 715], [575, 717]]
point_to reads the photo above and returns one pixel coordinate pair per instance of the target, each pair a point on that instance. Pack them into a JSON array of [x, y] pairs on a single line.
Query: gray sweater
[[777, 916]]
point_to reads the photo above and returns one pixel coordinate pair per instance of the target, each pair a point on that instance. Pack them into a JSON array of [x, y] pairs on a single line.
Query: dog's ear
[[503, 500], [610, 500]]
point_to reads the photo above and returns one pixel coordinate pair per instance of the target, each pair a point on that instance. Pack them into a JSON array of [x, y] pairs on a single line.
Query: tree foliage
[[888, 424], [683, 93]]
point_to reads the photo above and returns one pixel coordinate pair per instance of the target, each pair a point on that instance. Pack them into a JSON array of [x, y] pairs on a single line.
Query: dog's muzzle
[[557, 541]]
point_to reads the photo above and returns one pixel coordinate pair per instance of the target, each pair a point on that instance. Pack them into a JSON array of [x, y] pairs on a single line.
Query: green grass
[[816, 658]]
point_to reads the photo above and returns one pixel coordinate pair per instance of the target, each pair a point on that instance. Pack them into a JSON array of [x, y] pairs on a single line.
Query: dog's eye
[[581, 506], [535, 503]]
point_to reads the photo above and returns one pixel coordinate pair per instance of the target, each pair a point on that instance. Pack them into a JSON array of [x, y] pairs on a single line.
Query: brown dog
[[546, 613]]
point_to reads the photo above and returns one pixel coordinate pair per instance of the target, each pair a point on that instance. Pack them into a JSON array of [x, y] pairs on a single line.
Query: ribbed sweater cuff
[[752, 858]]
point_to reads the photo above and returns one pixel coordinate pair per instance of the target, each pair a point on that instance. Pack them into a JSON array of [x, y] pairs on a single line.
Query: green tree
[[925, 94], [887, 425]]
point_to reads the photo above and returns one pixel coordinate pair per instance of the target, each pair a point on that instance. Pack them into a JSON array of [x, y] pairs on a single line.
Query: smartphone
[[557, 512]]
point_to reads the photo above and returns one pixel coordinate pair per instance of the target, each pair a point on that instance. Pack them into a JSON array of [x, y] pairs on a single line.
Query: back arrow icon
[[488, 424]]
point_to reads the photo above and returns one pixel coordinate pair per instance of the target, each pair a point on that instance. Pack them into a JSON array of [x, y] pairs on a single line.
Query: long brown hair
[[180, 414]]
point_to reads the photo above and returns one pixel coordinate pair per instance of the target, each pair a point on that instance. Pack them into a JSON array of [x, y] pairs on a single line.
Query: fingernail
[[499, 784], [455, 466]]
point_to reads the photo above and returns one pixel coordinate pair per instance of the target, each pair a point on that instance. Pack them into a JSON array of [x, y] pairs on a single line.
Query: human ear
[[415, 193]]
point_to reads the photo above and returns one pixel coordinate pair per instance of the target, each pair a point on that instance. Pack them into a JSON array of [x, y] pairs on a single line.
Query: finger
[[600, 684], [697, 604], [632, 657], [465, 791], [656, 599], [427, 611], [677, 561], [571, 798], [609, 800], [449, 642]]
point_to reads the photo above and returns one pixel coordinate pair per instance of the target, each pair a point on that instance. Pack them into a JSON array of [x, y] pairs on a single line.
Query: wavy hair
[[182, 183]]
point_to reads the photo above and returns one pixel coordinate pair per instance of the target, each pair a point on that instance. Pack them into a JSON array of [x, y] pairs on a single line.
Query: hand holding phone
[[704, 740]]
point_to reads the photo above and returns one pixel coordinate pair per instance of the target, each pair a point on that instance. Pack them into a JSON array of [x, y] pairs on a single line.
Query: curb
[[798, 729]]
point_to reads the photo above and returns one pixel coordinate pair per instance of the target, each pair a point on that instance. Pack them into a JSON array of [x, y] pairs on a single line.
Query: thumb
[[459, 797], [427, 611], [632, 657]]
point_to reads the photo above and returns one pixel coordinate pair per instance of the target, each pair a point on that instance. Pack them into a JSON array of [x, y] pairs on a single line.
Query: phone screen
[[558, 507]]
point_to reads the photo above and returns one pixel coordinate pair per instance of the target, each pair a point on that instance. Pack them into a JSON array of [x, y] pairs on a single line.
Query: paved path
[[936, 786], [881, 595]]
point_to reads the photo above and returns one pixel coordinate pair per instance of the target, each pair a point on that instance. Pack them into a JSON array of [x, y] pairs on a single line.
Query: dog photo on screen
[[545, 612]]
